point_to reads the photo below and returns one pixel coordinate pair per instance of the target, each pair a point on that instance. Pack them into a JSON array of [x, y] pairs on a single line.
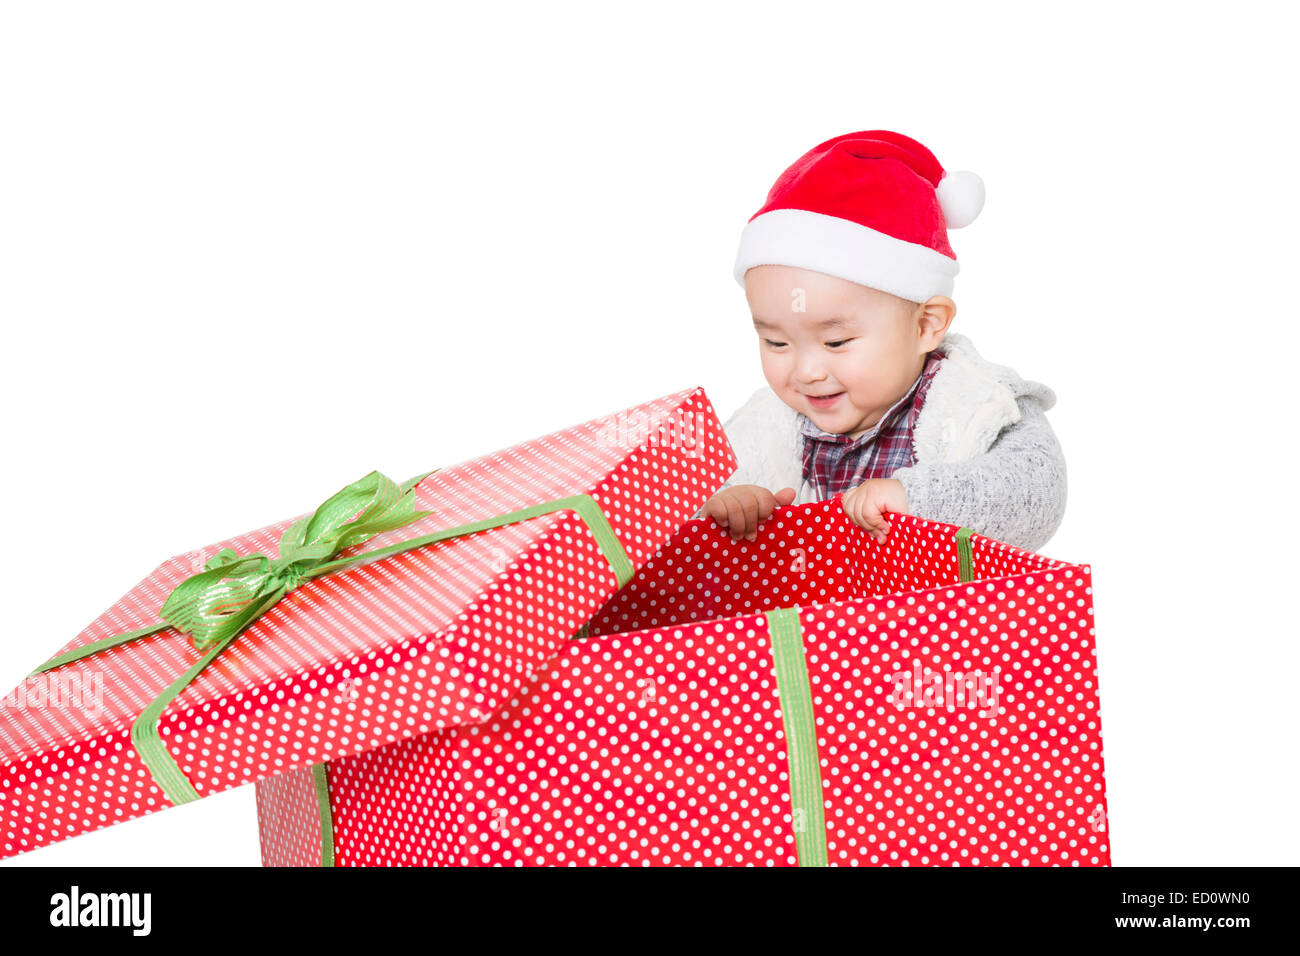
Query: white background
[[251, 251]]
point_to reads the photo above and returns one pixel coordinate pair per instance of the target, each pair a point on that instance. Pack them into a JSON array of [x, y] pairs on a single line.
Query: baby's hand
[[867, 503], [740, 508]]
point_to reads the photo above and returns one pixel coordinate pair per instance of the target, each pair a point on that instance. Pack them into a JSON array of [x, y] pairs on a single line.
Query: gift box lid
[[359, 647]]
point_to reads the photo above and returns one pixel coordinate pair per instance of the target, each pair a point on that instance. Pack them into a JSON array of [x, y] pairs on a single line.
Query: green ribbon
[[217, 604], [320, 781], [965, 559], [806, 800]]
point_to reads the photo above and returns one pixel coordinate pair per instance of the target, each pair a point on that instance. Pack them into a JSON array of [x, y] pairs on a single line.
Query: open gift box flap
[[804, 555], [433, 637]]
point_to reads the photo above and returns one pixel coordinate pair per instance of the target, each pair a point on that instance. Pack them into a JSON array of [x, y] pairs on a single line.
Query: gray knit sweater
[[987, 457]]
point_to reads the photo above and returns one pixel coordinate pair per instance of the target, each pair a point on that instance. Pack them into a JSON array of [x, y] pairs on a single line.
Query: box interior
[[804, 555]]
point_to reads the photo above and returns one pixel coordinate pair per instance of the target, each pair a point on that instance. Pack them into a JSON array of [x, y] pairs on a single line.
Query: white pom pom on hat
[[961, 197]]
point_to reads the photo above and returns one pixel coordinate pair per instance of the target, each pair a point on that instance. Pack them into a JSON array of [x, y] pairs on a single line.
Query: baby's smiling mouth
[[823, 401]]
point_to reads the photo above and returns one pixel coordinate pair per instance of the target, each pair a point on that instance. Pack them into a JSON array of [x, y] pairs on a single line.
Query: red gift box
[[367, 655], [810, 698]]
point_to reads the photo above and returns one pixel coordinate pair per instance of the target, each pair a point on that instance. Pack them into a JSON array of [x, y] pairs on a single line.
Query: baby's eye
[[838, 343], [774, 345]]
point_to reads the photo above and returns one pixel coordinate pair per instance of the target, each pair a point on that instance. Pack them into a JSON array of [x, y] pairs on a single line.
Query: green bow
[[224, 599]]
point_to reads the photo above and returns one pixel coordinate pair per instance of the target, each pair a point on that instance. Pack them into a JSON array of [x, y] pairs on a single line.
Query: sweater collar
[[969, 403]]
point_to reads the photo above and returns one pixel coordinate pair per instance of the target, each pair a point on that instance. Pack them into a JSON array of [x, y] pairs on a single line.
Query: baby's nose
[[810, 368]]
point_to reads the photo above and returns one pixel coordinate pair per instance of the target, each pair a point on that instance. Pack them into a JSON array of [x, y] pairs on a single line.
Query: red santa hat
[[873, 207]]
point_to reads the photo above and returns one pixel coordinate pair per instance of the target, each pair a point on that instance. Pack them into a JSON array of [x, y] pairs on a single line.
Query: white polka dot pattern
[[427, 639], [659, 739], [288, 818]]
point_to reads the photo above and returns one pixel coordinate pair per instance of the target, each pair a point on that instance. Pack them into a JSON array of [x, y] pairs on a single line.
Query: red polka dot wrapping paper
[[659, 739], [436, 637]]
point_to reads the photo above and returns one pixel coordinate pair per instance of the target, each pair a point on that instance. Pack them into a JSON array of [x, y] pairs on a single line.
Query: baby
[[848, 271]]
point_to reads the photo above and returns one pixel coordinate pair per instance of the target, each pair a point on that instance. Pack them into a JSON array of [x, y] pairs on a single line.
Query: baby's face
[[840, 352]]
